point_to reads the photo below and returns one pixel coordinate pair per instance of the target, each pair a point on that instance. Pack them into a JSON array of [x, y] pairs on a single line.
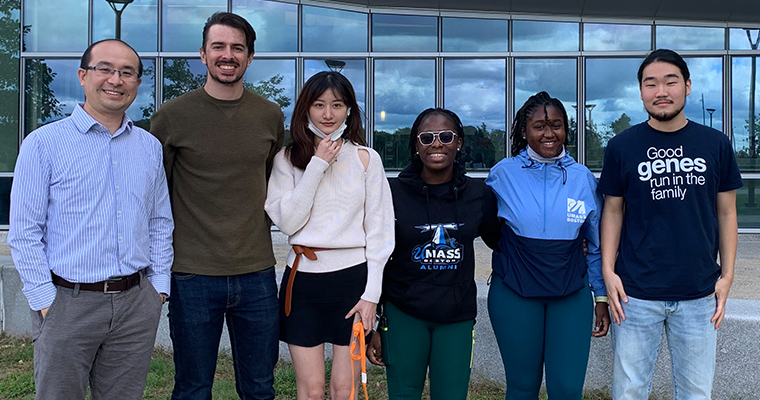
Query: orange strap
[[307, 252], [358, 337]]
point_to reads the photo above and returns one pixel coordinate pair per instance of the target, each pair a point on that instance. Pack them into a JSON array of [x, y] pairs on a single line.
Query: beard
[[665, 116], [226, 81]]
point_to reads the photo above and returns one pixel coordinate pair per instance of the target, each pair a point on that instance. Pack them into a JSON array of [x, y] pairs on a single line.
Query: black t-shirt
[[670, 182]]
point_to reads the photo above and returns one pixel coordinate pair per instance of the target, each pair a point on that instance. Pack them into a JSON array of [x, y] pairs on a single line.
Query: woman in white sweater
[[329, 194]]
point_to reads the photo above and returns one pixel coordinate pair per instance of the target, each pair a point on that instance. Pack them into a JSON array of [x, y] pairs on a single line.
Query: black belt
[[114, 285]]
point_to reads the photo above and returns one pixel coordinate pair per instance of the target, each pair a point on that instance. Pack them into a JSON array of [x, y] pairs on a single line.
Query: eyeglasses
[[445, 137], [106, 72]]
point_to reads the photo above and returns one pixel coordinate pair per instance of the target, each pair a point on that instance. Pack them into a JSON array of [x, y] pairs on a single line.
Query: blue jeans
[[691, 342], [197, 310]]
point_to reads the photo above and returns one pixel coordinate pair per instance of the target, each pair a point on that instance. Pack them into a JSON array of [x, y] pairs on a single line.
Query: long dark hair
[[301, 147], [538, 100], [450, 115]]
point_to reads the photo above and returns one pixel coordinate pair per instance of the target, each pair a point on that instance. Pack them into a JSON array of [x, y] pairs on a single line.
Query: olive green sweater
[[218, 156]]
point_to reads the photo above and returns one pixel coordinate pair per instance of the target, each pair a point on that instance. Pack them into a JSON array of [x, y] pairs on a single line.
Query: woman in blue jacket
[[539, 300]]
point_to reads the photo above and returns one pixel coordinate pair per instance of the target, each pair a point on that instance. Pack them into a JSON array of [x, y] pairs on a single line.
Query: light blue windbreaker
[[548, 210]]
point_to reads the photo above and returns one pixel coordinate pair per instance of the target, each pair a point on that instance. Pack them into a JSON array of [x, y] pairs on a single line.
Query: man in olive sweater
[[219, 144]]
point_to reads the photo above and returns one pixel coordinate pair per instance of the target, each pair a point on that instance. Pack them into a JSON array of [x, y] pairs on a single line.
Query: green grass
[[17, 378]]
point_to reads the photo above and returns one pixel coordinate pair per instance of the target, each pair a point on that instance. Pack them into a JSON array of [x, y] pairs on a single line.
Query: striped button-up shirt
[[89, 206]]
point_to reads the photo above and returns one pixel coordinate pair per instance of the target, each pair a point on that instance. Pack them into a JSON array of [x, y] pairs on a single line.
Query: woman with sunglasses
[[539, 299], [429, 291], [329, 194]]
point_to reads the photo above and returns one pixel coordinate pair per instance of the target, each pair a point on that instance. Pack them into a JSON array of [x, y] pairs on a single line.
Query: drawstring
[[427, 203], [456, 210], [358, 336], [530, 165], [564, 172]]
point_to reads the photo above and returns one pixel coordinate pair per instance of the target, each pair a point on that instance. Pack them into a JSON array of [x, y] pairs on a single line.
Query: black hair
[[233, 21], [540, 99], [667, 56], [450, 115], [84, 62]]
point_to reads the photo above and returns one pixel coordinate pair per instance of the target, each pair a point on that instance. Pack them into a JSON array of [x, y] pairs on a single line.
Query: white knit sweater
[[338, 206]]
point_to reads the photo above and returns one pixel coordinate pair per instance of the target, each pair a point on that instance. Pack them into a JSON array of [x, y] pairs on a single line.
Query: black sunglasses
[[445, 137]]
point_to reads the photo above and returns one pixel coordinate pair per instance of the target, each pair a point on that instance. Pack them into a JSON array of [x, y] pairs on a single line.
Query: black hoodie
[[431, 273]]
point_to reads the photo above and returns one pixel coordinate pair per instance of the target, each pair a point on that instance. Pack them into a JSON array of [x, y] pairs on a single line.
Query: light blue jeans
[[691, 342]]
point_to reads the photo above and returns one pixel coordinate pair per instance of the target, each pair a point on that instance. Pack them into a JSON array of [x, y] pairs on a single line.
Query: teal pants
[[411, 345], [538, 333]]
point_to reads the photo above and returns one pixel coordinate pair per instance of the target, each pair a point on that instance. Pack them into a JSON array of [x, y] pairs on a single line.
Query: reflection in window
[[612, 104], [53, 91], [746, 130], [139, 23], [475, 90], [144, 105], [183, 20], [706, 92], [326, 29], [689, 38], [470, 34], [744, 38], [275, 23], [353, 70], [59, 25], [544, 36], [609, 37], [5, 199], [555, 76], [404, 33], [403, 89], [9, 90], [182, 75], [748, 204], [275, 80]]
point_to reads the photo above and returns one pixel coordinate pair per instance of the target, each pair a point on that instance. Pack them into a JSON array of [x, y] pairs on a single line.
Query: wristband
[[601, 299]]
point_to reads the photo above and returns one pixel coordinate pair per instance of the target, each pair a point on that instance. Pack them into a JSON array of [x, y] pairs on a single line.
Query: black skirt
[[319, 304]]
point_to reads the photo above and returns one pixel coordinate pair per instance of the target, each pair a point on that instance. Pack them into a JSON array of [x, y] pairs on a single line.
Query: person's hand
[[602, 322], [365, 310], [722, 287], [328, 149], [44, 312], [375, 350], [615, 294]]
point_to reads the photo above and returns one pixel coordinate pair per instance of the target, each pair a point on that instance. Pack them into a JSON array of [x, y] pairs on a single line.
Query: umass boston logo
[[442, 251]]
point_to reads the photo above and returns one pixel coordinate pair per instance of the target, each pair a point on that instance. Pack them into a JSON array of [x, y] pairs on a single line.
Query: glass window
[[59, 25], [403, 89], [182, 75], [746, 130], [470, 34], [601, 37], [544, 36], [5, 199], [555, 76], [145, 102], [275, 23], [274, 80], [744, 38], [52, 91], [748, 204], [613, 103], [139, 23], [404, 33], [354, 70], [706, 91], [183, 20], [475, 90], [689, 38], [326, 29], [9, 88]]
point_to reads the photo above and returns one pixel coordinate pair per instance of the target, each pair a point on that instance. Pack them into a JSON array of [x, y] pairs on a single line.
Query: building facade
[[482, 62]]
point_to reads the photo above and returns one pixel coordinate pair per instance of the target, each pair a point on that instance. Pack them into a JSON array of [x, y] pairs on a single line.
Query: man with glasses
[[219, 145], [91, 237]]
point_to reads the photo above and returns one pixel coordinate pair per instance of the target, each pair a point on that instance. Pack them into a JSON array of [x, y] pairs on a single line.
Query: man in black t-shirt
[[670, 209]]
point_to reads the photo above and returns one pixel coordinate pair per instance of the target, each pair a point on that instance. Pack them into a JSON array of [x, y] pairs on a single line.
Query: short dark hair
[[538, 100], [450, 115], [84, 63], [233, 21], [667, 56], [301, 147]]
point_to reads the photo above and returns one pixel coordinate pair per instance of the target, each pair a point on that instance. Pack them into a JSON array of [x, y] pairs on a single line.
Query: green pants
[[538, 333], [411, 345]]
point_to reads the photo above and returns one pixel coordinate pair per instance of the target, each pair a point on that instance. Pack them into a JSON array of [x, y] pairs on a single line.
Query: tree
[[620, 124], [269, 89]]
